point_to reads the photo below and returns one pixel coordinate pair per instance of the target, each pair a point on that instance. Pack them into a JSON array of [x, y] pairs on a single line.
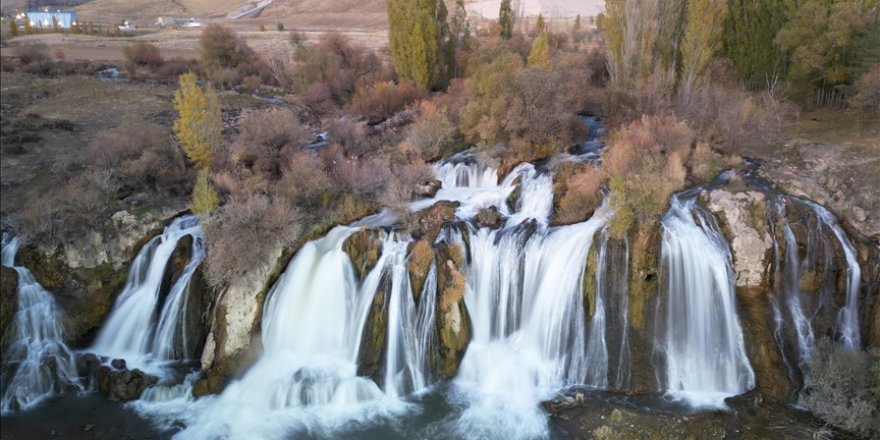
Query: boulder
[[744, 215], [489, 218], [453, 321]]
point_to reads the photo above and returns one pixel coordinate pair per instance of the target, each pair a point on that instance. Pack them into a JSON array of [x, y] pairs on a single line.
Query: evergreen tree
[[749, 31], [199, 124], [540, 26], [13, 28], [505, 19], [419, 38]]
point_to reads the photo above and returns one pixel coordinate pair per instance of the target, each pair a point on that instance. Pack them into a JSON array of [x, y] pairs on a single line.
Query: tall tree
[[702, 38], [199, 124], [749, 31], [540, 25], [505, 19], [539, 56], [419, 38]]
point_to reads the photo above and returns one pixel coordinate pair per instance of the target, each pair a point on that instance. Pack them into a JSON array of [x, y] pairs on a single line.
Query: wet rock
[[364, 248], [87, 365], [372, 353], [8, 305], [428, 189], [744, 215], [118, 364], [489, 218], [421, 255], [427, 223], [453, 321]]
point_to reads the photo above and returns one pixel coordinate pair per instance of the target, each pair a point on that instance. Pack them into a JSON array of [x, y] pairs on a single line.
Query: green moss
[[589, 286], [643, 272]]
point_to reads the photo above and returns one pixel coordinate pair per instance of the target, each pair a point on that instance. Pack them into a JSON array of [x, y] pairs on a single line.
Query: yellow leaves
[[199, 123], [539, 56], [204, 198]]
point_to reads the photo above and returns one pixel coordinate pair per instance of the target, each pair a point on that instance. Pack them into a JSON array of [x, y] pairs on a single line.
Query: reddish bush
[[378, 102], [350, 136], [305, 182], [338, 64], [142, 54], [583, 193], [266, 138]]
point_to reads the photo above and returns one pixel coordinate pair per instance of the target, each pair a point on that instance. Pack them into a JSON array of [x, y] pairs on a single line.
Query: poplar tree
[[749, 31], [505, 19], [539, 56], [419, 38], [540, 25], [199, 124], [702, 38]]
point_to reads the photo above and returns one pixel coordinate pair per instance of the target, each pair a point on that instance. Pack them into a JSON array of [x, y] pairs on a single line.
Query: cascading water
[[37, 364], [848, 317], [699, 338], [133, 331]]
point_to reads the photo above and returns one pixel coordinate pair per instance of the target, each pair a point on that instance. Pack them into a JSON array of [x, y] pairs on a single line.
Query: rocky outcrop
[[453, 321], [745, 216], [364, 248], [489, 218], [115, 381], [421, 254], [427, 222], [233, 342], [744, 219], [8, 305], [372, 350]]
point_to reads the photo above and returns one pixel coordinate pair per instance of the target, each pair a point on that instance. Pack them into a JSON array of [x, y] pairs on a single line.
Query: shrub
[[267, 137], [400, 188], [378, 102], [338, 64], [867, 91], [350, 136], [434, 135], [365, 178], [171, 70], [305, 182], [33, 53], [841, 388], [221, 48], [582, 195], [142, 54], [244, 230]]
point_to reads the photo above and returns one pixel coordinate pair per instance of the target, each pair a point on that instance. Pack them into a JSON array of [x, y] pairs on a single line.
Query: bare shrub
[[351, 137], [365, 177], [842, 389], [338, 64], [378, 102], [33, 53], [267, 137], [245, 230], [400, 188], [142, 54], [305, 182], [434, 134], [220, 48], [171, 70]]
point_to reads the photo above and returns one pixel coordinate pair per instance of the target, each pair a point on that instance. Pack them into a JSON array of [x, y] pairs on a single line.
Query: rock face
[[744, 214], [453, 321], [427, 223], [8, 305], [233, 340], [489, 218], [744, 219]]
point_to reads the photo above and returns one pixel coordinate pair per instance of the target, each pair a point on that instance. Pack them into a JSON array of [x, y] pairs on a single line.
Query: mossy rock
[[373, 339], [421, 255], [364, 248], [427, 223], [453, 321], [8, 305], [644, 271]]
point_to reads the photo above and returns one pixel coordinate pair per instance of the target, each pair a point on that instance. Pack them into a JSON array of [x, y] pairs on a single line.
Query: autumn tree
[[539, 56], [13, 28], [702, 38], [540, 25], [204, 197], [505, 19], [419, 38], [199, 124]]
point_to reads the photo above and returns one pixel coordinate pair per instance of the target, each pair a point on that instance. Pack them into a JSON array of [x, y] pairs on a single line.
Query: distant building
[[43, 19], [177, 22]]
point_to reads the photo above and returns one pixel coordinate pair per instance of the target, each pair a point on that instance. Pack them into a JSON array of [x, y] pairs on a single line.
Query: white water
[[311, 329], [133, 331], [699, 336], [848, 317], [28, 378]]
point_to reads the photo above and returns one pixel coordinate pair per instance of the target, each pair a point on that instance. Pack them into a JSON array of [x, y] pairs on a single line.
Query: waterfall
[[848, 316], [133, 331], [410, 325], [37, 364], [699, 337]]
